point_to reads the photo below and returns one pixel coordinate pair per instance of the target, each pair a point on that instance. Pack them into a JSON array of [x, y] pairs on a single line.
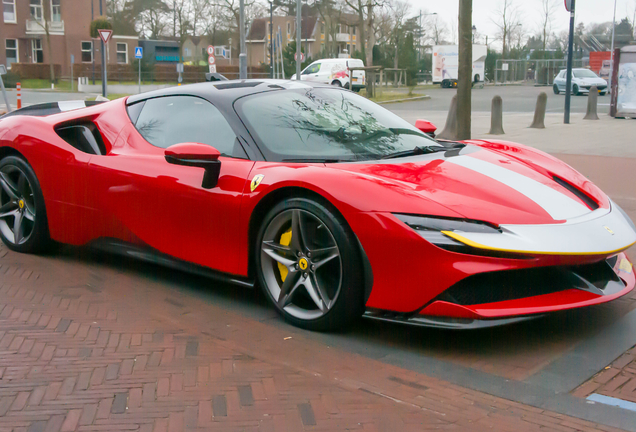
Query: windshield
[[584, 74], [325, 124]]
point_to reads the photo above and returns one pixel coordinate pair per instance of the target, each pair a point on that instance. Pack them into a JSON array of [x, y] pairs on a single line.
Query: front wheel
[[23, 223], [576, 90], [602, 93], [308, 265], [555, 89], [336, 83]]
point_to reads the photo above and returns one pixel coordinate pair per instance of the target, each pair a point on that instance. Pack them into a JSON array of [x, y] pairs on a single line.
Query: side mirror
[[197, 155], [427, 127]]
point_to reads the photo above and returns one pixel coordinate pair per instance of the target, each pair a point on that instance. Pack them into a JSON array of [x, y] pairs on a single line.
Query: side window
[[172, 120], [312, 69]]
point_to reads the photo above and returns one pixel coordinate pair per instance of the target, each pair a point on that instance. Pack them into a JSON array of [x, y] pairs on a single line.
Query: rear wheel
[[309, 266], [555, 88], [23, 223], [603, 93]]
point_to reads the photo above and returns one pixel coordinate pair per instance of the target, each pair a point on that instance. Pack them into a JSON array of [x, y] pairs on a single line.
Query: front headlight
[[430, 228]]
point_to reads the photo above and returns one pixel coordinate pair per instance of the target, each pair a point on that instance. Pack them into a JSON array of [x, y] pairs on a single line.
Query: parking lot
[[91, 341]]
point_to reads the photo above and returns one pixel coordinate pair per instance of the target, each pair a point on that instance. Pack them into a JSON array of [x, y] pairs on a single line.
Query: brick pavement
[[86, 345]]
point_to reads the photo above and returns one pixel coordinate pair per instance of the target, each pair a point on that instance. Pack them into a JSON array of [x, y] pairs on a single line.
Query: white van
[[336, 72]]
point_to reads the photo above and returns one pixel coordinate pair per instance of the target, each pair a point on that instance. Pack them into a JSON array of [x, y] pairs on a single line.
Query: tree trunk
[[464, 81], [370, 32], [361, 29]]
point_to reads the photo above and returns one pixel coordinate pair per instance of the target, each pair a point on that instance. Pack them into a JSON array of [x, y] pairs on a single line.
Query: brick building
[[313, 34], [24, 40]]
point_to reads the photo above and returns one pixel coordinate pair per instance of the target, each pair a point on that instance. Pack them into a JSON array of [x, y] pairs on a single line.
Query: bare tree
[[438, 30], [399, 11], [330, 13], [548, 8], [366, 11], [507, 19]]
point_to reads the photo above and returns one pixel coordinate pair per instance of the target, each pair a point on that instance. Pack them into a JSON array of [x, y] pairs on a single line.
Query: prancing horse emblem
[[258, 178]]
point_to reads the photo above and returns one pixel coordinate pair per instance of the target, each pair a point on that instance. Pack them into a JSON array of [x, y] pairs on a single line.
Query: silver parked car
[[582, 81]]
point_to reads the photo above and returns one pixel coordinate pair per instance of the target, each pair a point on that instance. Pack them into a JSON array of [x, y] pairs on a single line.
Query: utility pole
[[612, 49], [568, 80], [243, 50], [92, 40], [298, 38], [104, 77], [465, 69], [271, 38]]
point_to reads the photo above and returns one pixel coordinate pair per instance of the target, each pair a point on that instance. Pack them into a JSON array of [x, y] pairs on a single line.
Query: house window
[[36, 9], [122, 52], [56, 11], [11, 46], [37, 55], [218, 51], [353, 30], [9, 11], [186, 52], [87, 51], [322, 29], [288, 29]]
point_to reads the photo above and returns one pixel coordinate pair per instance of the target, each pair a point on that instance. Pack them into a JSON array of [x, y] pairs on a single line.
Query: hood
[[482, 184]]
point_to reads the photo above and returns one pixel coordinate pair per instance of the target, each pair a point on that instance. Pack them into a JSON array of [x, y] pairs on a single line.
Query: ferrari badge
[[258, 178]]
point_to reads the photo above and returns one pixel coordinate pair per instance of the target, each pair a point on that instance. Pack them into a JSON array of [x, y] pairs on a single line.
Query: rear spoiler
[[45, 109]]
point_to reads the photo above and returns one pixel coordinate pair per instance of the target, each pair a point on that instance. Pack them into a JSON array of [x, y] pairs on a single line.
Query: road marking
[[607, 400]]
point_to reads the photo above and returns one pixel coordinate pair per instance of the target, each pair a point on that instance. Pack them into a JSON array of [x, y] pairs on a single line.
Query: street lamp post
[[612, 49], [242, 45], [271, 38], [420, 34], [474, 33]]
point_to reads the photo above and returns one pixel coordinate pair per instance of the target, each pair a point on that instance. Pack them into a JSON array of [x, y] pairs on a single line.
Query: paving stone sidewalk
[[86, 346]]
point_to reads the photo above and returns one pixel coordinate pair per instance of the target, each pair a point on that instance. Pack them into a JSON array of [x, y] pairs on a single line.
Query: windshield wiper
[[423, 150]]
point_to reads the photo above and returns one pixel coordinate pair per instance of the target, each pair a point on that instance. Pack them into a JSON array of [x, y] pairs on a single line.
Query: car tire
[[602, 93], [575, 90], [555, 88], [347, 86], [23, 222], [308, 265], [336, 83]]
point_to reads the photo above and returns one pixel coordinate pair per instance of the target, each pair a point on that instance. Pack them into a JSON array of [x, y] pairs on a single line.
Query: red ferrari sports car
[[336, 207]]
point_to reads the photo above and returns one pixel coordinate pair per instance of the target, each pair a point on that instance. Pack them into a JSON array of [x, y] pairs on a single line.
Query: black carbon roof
[[225, 91]]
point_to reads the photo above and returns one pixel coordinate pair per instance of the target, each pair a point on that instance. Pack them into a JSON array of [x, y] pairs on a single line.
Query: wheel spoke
[[277, 252], [11, 205], [13, 212], [312, 287], [320, 257], [23, 186], [292, 282], [298, 239], [8, 186], [17, 228], [28, 213]]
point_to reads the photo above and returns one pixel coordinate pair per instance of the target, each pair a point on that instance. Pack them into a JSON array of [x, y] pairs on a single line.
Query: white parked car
[[582, 81], [336, 72]]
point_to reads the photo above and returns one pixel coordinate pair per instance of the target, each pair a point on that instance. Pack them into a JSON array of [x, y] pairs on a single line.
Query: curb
[[405, 100]]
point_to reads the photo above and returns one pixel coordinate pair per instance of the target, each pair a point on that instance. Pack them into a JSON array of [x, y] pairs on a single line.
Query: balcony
[[37, 27]]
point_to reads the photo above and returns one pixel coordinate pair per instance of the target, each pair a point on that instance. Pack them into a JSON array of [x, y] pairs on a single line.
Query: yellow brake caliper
[[285, 239]]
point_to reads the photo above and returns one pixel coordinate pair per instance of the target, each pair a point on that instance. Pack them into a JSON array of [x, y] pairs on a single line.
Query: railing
[[37, 26]]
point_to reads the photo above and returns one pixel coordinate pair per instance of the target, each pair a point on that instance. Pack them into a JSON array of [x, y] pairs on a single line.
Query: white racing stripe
[[556, 204], [71, 105]]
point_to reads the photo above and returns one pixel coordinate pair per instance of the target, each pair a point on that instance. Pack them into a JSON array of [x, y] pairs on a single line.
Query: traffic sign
[[212, 68], [210, 49], [139, 52], [3, 69], [180, 67], [568, 5], [302, 57], [105, 34], [211, 60]]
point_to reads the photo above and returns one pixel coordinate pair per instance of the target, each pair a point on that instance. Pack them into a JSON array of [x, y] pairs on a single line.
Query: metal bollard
[[18, 87], [450, 129], [592, 102], [539, 112], [496, 119]]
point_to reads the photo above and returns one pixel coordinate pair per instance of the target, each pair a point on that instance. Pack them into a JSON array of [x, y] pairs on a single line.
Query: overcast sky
[[484, 11]]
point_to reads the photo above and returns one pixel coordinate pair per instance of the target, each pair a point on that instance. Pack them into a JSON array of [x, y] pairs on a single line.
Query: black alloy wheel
[[308, 265], [23, 222]]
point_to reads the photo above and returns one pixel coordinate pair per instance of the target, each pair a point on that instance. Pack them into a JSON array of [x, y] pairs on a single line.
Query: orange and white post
[[19, 91]]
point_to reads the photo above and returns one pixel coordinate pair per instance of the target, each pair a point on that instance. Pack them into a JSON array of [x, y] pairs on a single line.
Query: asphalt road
[[516, 99]]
